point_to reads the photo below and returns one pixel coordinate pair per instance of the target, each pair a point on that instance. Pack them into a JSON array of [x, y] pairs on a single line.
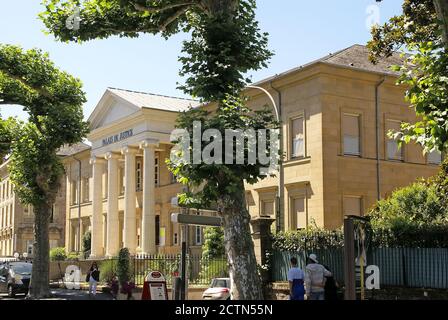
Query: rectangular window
[[156, 171], [121, 177], [157, 231], [351, 126], [86, 190], [74, 192], [394, 152], [29, 246], [435, 157], [139, 176], [198, 236], [352, 206], [299, 212], [297, 137], [175, 239]]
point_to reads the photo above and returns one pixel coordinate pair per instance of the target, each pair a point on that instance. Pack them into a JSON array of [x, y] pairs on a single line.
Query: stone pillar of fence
[[261, 235]]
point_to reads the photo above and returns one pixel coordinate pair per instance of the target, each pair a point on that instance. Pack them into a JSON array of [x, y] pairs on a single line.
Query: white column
[[148, 215], [112, 238], [130, 215], [97, 207]]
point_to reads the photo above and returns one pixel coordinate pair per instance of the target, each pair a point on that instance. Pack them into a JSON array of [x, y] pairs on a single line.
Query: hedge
[[411, 237]]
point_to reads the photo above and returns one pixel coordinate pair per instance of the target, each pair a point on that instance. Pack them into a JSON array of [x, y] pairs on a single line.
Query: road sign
[[196, 220]]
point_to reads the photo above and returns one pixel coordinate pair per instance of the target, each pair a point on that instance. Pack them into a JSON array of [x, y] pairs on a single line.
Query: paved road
[[64, 294]]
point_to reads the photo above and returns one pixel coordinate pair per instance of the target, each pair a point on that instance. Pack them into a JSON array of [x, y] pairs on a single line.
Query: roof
[[355, 57], [154, 101], [69, 150]]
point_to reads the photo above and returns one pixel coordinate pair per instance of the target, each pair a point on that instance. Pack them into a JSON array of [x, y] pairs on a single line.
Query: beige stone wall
[[352, 92], [302, 177]]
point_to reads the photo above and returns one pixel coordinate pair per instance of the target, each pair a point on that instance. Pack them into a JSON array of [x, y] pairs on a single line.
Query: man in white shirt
[[315, 275]]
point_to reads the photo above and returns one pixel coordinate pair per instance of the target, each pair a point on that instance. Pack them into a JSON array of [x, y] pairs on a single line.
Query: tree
[[422, 30], [213, 246], [225, 44], [53, 100]]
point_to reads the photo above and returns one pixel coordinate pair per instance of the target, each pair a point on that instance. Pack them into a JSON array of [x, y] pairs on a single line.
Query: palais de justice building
[[338, 158]]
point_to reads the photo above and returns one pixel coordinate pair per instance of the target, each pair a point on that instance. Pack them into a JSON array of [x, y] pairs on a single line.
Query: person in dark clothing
[[93, 278], [331, 287]]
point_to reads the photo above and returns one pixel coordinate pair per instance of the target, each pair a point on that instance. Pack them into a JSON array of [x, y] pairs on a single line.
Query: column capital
[[149, 143], [97, 160], [112, 155], [129, 150]]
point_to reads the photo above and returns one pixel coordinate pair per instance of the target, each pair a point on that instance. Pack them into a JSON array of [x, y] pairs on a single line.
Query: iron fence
[[401, 267], [200, 270]]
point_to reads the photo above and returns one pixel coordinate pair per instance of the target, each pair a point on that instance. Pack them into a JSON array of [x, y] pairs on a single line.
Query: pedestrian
[[93, 277], [315, 274], [296, 279], [331, 287], [114, 287]]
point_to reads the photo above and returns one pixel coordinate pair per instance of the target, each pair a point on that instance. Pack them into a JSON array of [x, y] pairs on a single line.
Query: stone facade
[[17, 220]]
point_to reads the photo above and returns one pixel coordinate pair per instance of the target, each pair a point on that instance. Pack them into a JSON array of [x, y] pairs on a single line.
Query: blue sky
[[300, 31]]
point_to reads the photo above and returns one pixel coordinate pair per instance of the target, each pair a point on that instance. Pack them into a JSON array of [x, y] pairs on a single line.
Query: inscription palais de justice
[[118, 137]]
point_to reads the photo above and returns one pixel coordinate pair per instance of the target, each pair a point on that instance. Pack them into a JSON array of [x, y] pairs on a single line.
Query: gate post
[[349, 259]]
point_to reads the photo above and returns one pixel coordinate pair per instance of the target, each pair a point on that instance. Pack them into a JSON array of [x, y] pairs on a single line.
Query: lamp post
[[280, 166]]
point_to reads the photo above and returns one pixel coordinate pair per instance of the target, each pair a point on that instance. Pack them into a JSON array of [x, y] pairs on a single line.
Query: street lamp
[[280, 166], [16, 255], [25, 255]]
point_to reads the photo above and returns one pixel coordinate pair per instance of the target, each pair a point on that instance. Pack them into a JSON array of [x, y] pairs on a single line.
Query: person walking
[[315, 274], [296, 281], [93, 277]]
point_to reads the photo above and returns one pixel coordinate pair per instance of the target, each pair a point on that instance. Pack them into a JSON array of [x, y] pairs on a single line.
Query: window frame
[[299, 116], [359, 118]]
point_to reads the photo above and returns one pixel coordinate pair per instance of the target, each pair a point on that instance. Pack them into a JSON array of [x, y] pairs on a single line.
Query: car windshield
[[22, 268], [219, 283]]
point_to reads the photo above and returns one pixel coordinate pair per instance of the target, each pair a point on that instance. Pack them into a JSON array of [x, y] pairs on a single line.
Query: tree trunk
[[246, 283], [442, 13], [39, 287]]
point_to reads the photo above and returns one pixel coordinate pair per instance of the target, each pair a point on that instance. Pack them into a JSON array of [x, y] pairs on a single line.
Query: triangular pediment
[[111, 109]]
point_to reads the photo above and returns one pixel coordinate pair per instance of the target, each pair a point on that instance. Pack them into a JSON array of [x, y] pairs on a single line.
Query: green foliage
[[219, 180], [424, 72], [213, 268], [428, 95], [440, 183], [303, 240], [225, 41], [124, 265], [58, 254], [108, 270], [417, 24], [86, 241], [73, 256], [413, 206], [53, 100], [213, 246]]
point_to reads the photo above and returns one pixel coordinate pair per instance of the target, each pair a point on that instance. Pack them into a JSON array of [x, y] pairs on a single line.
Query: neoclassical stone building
[[120, 188], [338, 158]]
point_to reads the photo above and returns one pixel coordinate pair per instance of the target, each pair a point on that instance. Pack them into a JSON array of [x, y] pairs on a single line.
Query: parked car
[[219, 290], [15, 277]]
